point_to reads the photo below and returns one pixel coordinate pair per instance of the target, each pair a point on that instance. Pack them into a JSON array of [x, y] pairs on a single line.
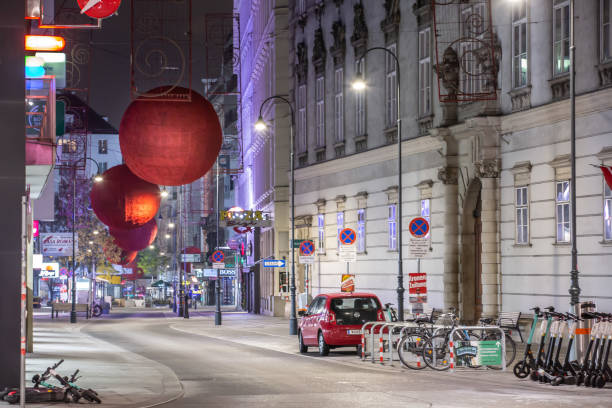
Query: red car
[[335, 320]]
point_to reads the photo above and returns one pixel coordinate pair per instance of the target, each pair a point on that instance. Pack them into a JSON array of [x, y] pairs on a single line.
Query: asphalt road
[[228, 368]]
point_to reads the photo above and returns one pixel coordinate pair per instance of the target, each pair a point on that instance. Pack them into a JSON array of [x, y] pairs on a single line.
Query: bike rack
[[381, 326], [452, 347]]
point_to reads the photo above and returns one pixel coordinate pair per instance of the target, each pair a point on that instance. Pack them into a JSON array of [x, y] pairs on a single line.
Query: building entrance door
[[470, 290]]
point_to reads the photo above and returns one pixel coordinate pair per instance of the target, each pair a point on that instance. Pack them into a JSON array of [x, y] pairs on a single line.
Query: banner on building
[[57, 243], [348, 283]]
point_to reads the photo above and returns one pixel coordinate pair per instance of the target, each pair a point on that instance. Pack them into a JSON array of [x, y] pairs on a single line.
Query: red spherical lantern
[[124, 201], [170, 143], [116, 255], [137, 238], [99, 8]]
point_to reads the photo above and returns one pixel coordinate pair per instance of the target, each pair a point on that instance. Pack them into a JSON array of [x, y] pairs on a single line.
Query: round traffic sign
[[307, 248], [419, 227], [348, 236], [218, 256]]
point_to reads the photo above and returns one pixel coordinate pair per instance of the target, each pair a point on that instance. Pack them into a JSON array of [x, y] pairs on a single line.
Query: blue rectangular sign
[[274, 263]]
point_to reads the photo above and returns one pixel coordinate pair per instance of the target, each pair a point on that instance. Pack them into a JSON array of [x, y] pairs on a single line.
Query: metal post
[[180, 300], [22, 338], [574, 290], [293, 317], [73, 315], [218, 317], [400, 270]]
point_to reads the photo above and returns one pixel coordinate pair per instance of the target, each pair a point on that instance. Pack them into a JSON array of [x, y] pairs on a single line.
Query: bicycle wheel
[[410, 351], [97, 311], [510, 349], [436, 352]]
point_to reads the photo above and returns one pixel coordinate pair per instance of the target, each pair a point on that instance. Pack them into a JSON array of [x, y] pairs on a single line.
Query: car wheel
[[303, 347], [323, 347]]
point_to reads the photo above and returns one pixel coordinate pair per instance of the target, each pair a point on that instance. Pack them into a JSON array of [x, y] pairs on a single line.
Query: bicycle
[[436, 350]]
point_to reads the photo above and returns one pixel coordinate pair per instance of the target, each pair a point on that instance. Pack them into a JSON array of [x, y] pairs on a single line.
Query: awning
[[160, 283]]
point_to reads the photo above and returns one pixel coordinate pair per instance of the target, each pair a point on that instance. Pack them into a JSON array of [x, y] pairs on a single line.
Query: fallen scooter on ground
[[43, 391]]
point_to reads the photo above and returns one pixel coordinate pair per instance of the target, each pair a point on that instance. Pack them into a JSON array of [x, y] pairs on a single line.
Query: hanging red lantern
[[116, 255], [170, 143], [99, 8], [135, 239], [124, 201]]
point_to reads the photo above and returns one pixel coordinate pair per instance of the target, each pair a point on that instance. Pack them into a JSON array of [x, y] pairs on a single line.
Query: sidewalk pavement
[[121, 378]]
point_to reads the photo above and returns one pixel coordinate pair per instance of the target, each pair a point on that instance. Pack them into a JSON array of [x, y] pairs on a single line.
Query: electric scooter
[[522, 368], [544, 331]]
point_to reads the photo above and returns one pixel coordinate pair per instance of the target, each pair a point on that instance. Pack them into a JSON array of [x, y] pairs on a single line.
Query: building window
[[102, 146], [607, 212], [425, 72], [339, 104], [339, 225], [561, 25], [521, 205], [360, 104], [426, 213], [390, 88], [519, 44], [301, 7], [392, 228], [562, 201], [301, 125], [605, 18], [320, 113], [471, 70], [321, 229], [283, 282], [103, 167], [361, 230]]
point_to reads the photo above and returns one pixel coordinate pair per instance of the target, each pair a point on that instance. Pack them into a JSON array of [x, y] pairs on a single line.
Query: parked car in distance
[[335, 320]]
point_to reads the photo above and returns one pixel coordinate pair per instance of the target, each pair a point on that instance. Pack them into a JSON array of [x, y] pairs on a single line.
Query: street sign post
[[218, 257], [274, 263], [307, 252], [297, 243], [218, 265], [419, 242], [347, 250]]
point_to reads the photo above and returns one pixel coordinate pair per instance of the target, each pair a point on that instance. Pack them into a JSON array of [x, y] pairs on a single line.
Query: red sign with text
[[417, 284]]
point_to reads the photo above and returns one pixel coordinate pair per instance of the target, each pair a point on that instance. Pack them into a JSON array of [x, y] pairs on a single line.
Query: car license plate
[[353, 331]]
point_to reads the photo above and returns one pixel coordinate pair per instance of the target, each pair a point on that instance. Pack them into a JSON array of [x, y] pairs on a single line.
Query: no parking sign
[[307, 249]]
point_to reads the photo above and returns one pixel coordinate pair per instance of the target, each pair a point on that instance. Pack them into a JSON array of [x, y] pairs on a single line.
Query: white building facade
[[492, 176], [264, 183]]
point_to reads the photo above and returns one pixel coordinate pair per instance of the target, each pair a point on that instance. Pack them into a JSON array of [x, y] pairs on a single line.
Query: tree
[[151, 262]]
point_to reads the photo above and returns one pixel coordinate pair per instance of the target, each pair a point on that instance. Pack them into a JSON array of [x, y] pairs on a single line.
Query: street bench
[[510, 320], [67, 307]]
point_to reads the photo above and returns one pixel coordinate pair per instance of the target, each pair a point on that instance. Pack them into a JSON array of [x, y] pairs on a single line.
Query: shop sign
[[57, 243]]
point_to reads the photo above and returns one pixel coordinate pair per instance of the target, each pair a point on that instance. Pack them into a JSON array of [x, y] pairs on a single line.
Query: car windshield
[[354, 310]]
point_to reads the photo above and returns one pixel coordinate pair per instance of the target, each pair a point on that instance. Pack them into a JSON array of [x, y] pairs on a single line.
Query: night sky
[[110, 84]]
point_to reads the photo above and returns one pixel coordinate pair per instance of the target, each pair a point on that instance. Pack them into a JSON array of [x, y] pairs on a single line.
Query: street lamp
[[574, 289], [97, 179], [359, 84], [260, 125]]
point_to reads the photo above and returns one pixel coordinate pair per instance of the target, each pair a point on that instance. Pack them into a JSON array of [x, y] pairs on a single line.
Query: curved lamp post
[[260, 125], [97, 178], [359, 84]]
